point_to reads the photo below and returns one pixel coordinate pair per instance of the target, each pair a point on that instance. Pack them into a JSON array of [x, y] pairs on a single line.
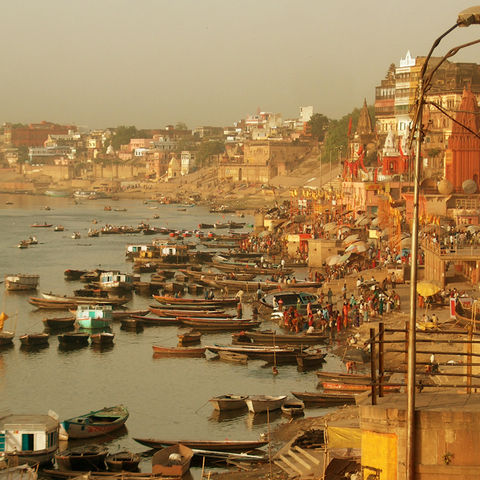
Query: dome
[[469, 186], [445, 187]]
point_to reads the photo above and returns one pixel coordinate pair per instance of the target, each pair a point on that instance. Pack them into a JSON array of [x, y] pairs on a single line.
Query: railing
[[455, 249]]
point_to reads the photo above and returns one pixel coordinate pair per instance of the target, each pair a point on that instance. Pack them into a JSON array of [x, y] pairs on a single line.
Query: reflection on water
[[228, 415], [255, 419]]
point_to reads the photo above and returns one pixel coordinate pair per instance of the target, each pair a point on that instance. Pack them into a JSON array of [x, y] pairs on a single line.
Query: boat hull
[[225, 403], [259, 404]]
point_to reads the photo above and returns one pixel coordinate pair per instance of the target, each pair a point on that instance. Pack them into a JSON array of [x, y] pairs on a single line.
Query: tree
[[318, 125], [123, 135], [181, 126], [210, 147]]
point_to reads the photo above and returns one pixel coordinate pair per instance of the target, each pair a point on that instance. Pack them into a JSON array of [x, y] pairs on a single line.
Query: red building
[[462, 157], [35, 134]]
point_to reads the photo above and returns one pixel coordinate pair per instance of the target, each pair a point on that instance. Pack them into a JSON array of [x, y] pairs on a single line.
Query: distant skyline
[[149, 63]]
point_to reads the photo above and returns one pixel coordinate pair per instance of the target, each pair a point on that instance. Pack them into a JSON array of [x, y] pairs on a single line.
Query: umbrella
[[343, 258], [427, 289], [343, 229], [362, 221], [351, 239], [329, 226], [473, 228], [357, 247], [375, 222], [333, 260]]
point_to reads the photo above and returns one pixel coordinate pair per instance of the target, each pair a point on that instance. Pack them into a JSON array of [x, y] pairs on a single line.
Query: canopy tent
[[427, 289]]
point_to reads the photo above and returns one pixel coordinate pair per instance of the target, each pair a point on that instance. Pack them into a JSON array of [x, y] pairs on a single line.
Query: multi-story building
[[33, 135]]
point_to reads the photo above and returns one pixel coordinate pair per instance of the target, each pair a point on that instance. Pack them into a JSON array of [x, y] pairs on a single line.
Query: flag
[[349, 126], [3, 317]]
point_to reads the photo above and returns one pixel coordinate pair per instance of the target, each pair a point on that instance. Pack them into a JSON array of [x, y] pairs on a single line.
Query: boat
[[122, 461], [73, 339], [59, 323], [291, 299], [119, 314], [218, 325], [307, 360], [21, 281], [102, 338], [269, 337], [219, 446], [96, 423], [178, 351], [94, 316], [165, 321], [76, 235], [93, 233], [22, 472], [58, 228], [324, 399], [355, 387], [233, 357], [232, 301], [465, 315], [190, 313], [41, 225], [31, 439], [132, 324], [6, 338], [56, 302], [23, 244], [189, 308], [72, 274], [86, 458], [34, 339], [339, 377], [190, 336], [293, 408], [263, 403], [228, 402], [173, 460], [270, 354]]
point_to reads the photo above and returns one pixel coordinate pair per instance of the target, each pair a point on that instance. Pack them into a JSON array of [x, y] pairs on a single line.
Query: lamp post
[[465, 18]]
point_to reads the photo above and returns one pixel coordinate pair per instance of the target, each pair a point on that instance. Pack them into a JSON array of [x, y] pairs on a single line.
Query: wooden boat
[[58, 228], [173, 460], [41, 431], [122, 461], [267, 353], [310, 360], [59, 323], [6, 338], [21, 281], [131, 324], [189, 308], [465, 315], [94, 316], [339, 377], [325, 399], [41, 225], [233, 357], [179, 351], [269, 337], [119, 314], [219, 446], [218, 325], [72, 274], [228, 402], [196, 301], [199, 275], [353, 387], [293, 408], [102, 338], [190, 313], [86, 458], [189, 337], [66, 303], [34, 339], [23, 244], [94, 424], [73, 339], [262, 403], [159, 321]]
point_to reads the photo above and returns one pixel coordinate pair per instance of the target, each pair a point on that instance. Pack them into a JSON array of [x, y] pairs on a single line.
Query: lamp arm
[[441, 109]]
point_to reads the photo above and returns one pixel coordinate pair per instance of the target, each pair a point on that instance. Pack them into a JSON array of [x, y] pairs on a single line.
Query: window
[[27, 441], [2, 442]]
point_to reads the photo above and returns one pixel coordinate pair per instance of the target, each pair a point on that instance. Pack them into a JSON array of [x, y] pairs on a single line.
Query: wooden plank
[[299, 459], [291, 464], [308, 455], [285, 468]]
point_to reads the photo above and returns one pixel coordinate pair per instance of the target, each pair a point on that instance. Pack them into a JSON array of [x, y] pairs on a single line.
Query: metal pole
[[381, 358], [410, 453], [330, 174], [373, 366]]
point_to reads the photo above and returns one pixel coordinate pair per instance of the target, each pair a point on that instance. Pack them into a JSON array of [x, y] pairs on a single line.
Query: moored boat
[[59, 323], [87, 458], [269, 337], [102, 338], [228, 402], [307, 360], [218, 325], [31, 439], [262, 403], [189, 337], [293, 408], [94, 316], [96, 423], [178, 351], [21, 281], [34, 339], [122, 461], [219, 446], [354, 387], [73, 339], [173, 460], [233, 357], [325, 399], [339, 377], [196, 301]]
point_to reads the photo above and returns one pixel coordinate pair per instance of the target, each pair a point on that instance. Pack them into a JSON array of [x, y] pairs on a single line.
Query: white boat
[[21, 281], [262, 403], [228, 402], [94, 316], [31, 439]]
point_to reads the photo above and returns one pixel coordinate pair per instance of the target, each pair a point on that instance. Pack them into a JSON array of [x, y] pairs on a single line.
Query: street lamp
[[465, 18]]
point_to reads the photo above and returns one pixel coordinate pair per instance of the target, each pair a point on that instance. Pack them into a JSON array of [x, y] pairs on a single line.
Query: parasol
[[351, 239], [333, 260], [427, 289], [357, 247], [329, 226]]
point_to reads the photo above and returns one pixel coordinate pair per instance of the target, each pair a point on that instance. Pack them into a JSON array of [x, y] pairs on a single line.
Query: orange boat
[[178, 351], [350, 387]]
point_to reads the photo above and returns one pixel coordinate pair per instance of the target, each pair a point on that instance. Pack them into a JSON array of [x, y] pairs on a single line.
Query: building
[[187, 159], [33, 135]]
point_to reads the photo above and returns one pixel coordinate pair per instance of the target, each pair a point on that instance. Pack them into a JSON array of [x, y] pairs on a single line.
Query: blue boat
[[94, 316]]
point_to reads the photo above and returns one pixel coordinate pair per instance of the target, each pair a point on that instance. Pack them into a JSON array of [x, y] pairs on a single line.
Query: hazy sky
[[207, 62]]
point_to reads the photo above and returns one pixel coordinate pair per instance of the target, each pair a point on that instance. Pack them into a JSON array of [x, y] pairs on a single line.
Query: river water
[[167, 397]]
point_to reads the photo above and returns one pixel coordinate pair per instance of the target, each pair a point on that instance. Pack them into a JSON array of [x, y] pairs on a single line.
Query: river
[[166, 397]]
